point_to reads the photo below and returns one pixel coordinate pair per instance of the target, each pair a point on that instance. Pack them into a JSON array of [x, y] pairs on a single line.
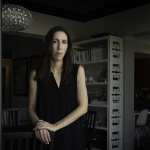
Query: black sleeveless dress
[[54, 103]]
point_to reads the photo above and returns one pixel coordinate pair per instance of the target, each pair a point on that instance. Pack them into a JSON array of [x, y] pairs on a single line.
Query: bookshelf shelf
[[98, 105], [96, 83], [94, 62], [100, 128]]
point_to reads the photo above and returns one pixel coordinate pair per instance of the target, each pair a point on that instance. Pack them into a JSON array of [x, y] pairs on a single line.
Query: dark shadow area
[[142, 101]]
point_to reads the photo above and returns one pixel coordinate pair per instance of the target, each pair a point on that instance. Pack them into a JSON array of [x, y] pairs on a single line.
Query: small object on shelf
[[90, 79]]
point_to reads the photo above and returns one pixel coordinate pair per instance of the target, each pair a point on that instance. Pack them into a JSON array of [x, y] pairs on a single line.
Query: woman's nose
[[59, 45]]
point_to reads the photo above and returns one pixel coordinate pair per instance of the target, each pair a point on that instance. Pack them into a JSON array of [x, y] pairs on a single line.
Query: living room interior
[[85, 22]]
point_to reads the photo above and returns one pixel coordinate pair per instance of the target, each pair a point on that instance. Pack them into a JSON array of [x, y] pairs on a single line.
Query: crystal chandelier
[[15, 18]]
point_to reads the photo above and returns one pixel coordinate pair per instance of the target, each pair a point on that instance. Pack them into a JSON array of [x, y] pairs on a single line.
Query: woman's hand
[[45, 125], [43, 135]]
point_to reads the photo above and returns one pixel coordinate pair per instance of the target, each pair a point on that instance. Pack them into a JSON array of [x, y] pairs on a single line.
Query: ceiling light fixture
[[15, 18]]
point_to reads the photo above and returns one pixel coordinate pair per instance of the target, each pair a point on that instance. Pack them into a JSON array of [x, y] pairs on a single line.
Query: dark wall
[[142, 73], [142, 84], [21, 45], [24, 52]]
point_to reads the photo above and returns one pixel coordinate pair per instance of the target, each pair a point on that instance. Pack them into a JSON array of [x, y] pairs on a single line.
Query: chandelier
[[15, 18]]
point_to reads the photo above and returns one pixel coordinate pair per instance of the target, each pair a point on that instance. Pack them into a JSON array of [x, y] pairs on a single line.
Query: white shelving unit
[[103, 61]]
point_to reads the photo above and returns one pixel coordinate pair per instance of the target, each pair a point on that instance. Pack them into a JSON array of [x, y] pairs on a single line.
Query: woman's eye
[[54, 41], [64, 42]]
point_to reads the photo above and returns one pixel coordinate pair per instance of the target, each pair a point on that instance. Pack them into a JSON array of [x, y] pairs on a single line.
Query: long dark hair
[[67, 60]]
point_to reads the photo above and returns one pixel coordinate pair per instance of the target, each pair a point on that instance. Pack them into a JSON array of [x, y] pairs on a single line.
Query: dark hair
[[67, 61]]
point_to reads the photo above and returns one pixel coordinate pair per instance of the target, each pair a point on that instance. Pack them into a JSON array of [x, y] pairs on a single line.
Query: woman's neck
[[56, 67]]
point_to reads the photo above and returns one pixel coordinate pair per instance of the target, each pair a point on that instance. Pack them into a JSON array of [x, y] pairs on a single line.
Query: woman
[[58, 95]]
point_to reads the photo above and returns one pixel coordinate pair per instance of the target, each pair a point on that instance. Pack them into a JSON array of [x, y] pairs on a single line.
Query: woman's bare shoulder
[[80, 68], [33, 73], [80, 72]]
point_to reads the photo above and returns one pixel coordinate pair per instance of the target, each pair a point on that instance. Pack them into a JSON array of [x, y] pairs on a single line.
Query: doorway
[[142, 100]]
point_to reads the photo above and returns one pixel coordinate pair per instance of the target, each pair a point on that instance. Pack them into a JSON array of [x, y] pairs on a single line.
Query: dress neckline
[[58, 86]]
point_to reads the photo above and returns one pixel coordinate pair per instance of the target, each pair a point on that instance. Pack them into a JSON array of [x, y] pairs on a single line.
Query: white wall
[[42, 23]]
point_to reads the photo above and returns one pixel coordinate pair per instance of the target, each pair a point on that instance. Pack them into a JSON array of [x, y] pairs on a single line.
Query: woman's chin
[[58, 59]]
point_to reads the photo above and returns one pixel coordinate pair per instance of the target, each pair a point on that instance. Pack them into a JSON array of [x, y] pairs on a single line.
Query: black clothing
[[54, 103]]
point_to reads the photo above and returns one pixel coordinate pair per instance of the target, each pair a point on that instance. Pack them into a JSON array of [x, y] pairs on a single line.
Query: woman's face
[[59, 45]]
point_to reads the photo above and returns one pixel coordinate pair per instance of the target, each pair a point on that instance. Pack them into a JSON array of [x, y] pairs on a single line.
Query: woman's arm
[[32, 98], [82, 101], [43, 135]]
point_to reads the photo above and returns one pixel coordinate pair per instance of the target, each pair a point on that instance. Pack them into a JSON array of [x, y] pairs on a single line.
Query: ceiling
[[83, 10]]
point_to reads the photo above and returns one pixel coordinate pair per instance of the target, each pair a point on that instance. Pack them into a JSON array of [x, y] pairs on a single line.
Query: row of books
[[14, 117], [89, 55]]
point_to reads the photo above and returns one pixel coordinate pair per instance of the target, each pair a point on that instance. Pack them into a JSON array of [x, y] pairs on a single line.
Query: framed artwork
[[20, 76]]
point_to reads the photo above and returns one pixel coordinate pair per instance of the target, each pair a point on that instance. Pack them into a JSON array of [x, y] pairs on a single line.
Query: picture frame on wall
[[20, 76]]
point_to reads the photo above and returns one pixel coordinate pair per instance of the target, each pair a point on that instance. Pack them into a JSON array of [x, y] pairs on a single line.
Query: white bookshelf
[[103, 61]]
